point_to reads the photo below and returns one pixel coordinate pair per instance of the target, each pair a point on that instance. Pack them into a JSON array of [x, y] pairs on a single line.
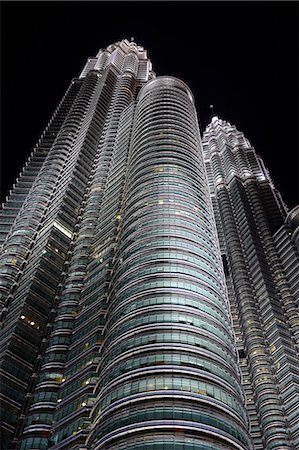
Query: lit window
[[63, 229]]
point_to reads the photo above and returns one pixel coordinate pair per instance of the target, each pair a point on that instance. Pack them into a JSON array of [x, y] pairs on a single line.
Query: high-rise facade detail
[[148, 280], [262, 275]]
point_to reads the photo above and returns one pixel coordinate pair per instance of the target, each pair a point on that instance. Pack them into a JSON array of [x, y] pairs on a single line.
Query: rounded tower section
[[169, 377], [131, 63]]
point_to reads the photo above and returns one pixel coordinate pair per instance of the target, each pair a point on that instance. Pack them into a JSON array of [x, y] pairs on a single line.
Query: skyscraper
[[259, 245], [131, 316]]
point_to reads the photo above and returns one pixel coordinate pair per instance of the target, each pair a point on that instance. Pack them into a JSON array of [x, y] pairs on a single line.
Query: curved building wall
[[168, 374]]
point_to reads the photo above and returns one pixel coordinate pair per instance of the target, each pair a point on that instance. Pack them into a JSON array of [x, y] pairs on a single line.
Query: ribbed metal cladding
[[169, 377]]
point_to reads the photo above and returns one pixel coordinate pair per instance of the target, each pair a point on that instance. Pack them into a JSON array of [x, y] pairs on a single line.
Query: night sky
[[241, 57]]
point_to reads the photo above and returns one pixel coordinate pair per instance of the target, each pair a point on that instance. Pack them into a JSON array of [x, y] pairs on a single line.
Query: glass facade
[[168, 329], [141, 281]]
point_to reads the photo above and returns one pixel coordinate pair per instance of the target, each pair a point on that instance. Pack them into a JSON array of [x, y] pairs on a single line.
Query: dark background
[[241, 57]]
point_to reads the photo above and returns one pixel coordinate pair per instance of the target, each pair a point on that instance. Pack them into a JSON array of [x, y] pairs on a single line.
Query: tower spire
[[212, 109]]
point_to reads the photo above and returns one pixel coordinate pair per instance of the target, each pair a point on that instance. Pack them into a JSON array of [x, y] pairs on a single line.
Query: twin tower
[[149, 278]]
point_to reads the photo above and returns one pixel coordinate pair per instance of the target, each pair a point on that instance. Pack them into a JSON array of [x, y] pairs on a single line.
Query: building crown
[[123, 56]]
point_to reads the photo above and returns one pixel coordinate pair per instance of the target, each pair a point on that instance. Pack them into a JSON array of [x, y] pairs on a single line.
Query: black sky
[[242, 57]]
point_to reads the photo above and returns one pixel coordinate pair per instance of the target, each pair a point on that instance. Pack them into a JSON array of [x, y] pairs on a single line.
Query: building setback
[[145, 277]]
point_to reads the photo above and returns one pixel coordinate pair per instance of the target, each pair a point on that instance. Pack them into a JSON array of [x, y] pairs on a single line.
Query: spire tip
[[212, 109]]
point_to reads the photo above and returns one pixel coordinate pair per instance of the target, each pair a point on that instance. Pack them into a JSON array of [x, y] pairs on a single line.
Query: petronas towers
[[149, 278]]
